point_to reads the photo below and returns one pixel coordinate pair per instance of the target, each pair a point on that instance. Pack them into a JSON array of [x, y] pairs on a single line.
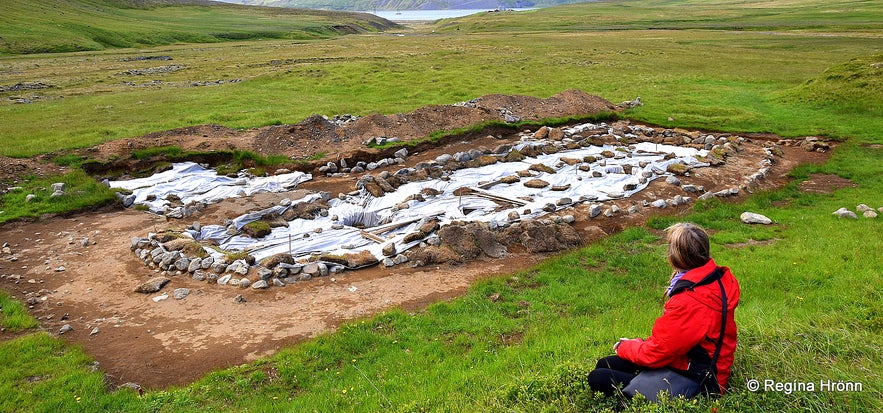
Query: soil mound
[[331, 137]]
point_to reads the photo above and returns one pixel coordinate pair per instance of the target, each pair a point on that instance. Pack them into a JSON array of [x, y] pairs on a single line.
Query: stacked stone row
[[169, 259]]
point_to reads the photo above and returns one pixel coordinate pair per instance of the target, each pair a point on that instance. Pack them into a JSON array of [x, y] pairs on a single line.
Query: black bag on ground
[[651, 382]]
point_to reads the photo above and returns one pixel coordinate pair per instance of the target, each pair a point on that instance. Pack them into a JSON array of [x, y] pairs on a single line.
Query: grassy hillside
[[738, 15], [404, 4], [811, 307], [63, 25]]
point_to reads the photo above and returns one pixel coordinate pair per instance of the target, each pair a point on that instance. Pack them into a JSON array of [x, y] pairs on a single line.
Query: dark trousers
[[611, 374]]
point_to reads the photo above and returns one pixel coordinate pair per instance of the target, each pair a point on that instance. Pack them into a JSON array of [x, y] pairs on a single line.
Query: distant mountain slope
[[406, 4], [28, 26]]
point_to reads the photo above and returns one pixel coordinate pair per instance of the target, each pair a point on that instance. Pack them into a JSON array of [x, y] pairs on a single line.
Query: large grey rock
[[265, 273], [293, 269], [443, 159], [182, 264], [260, 285], [180, 293], [311, 269], [156, 254], [127, 200], [239, 266], [389, 250], [845, 213], [707, 195], [659, 203], [280, 272], [753, 218], [152, 285], [195, 264], [168, 259], [219, 267], [462, 157]]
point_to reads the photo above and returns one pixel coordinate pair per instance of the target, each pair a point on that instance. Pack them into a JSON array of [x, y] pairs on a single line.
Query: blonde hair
[[688, 246]]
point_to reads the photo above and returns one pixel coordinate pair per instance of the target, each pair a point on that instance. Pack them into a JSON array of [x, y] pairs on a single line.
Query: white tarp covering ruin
[[344, 228], [193, 183]]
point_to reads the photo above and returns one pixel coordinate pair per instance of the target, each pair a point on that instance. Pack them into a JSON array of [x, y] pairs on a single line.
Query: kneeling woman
[[690, 350]]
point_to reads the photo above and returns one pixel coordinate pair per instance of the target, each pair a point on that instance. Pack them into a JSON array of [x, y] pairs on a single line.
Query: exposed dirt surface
[[79, 270], [824, 183], [317, 135]]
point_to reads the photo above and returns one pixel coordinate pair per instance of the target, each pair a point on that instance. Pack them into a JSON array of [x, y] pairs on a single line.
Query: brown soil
[[825, 183], [157, 344]]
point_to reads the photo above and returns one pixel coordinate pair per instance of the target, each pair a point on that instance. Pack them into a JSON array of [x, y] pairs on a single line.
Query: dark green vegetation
[[52, 26], [13, 315], [82, 192], [811, 308]]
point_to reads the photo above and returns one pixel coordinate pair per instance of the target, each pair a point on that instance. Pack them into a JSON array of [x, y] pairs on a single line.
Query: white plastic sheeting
[[306, 237], [193, 183]]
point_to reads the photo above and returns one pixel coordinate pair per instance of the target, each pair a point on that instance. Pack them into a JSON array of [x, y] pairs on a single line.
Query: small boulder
[[389, 250], [753, 218], [536, 183], [845, 213], [180, 293], [152, 285]]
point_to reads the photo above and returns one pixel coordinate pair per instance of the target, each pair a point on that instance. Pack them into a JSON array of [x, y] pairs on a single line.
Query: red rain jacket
[[690, 317]]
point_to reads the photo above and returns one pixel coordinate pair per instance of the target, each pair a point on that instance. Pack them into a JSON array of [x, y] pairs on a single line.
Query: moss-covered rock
[[257, 229]]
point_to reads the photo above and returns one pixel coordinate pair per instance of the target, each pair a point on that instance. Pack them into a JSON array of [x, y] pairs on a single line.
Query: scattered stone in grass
[[845, 213], [754, 218]]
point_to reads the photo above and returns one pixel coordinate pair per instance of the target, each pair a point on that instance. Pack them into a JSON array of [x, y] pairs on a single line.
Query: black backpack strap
[[682, 285], [720, 340]]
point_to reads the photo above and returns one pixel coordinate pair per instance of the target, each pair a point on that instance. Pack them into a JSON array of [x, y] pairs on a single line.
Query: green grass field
[[811, 310], [52, 26]]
